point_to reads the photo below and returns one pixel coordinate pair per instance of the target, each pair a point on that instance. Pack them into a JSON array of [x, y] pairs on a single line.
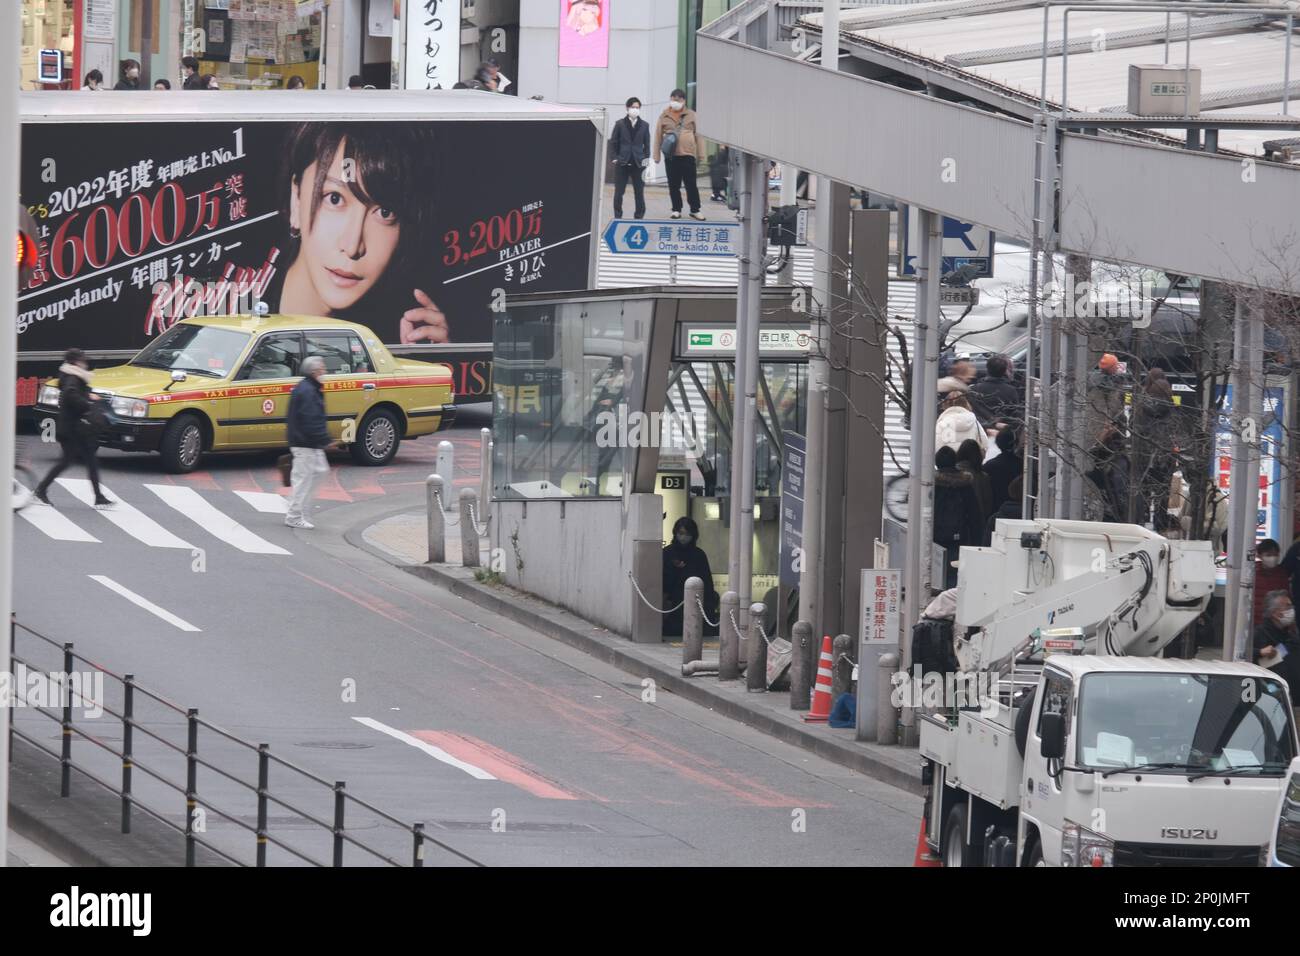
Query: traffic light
[[28, 247]]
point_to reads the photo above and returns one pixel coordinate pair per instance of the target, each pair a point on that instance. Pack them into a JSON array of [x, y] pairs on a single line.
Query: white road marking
[[53, 523], [130, 519], [195, 507], [266, 502], [148, 605], [478, 773]]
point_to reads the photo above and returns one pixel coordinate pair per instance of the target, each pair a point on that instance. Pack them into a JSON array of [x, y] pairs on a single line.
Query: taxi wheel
[[182, 444], [377, 438]]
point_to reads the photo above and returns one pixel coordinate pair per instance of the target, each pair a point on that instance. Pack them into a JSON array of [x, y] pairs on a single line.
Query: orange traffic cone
[[821, 704], [923, 857]]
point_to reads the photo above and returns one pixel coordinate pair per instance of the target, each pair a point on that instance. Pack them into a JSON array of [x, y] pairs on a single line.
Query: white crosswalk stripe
[[145, 603], [617, 271], [212, 520], [130, 519], [266, 502], [54, 524]]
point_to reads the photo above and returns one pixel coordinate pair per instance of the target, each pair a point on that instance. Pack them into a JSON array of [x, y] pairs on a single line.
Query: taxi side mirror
[[177, 377]]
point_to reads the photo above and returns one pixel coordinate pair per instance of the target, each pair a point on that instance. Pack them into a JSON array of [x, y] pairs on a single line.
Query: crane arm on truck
[[1130, 590]]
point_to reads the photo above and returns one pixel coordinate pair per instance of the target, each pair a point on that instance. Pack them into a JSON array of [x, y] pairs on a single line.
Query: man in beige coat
[[686, 152]]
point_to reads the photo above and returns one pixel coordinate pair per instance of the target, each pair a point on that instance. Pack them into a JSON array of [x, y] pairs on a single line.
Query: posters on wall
[[1267, 513], [584, 33], [431, 60], [432, 225], [100, 20]]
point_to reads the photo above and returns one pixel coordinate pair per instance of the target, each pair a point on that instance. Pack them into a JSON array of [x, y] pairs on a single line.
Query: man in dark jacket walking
[[957, 519], [630, 144], [309, 439], [77, 425]]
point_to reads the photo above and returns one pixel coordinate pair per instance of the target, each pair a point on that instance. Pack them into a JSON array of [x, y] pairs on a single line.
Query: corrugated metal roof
[[956, 34]]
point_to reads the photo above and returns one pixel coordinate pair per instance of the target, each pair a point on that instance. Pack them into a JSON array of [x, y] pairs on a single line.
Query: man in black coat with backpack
[[630, 145]]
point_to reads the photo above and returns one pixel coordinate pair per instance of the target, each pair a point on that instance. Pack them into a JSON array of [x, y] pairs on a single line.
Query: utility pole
[[1237, 489], [738, 409], [10, 31], [810, 581], [925, 402], [755, 246]]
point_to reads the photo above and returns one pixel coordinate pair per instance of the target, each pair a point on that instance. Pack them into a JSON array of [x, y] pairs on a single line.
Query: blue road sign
[[964, 244], [672, 237]]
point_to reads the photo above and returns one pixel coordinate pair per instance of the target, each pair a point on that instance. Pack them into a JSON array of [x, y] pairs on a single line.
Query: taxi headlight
[[1083, 847], [130, 407], [49, 395]]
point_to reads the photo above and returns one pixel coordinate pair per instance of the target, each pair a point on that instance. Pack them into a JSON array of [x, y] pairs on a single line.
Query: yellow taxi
[[222, 384]]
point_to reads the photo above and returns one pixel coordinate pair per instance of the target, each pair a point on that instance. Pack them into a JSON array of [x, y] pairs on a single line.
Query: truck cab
[[1113, 761]]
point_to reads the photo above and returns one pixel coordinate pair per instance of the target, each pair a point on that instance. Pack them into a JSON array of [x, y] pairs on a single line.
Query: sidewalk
[[401, 540]]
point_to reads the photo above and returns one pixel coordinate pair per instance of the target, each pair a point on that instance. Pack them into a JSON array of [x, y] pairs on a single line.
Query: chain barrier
[[646, 600], [473, 517], [446, 515], [705, 615]]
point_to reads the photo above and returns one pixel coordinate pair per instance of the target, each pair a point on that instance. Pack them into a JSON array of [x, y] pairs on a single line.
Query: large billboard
[[415, 229], [584, 33]]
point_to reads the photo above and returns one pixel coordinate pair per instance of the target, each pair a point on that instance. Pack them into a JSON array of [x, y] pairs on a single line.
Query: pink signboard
[[584, 33]]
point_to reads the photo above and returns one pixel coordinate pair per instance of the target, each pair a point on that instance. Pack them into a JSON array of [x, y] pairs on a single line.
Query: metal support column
[[10, 32], [1254, 410], [754, 246], [738, 430], [1237, 482]]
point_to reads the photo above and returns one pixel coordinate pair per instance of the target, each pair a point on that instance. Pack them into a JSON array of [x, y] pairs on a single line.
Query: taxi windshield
[[201, 349]]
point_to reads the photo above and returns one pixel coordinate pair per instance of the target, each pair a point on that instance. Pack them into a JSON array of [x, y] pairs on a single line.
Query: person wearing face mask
[[1275, 640], [1269, 574], [681, 147], [130, 75], [630, 146], [683, 559]]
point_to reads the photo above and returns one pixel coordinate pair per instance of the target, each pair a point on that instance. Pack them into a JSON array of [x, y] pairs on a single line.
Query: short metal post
[[446, 468], [65, 783], [469, 557], [339, 802], [191, 782], [128, 714], [841, 669], [692, 621], [728, 638], [886, 713], [485, 466], [756, 669], [800, 688], [417, 857], [435, 494], [263, 790]]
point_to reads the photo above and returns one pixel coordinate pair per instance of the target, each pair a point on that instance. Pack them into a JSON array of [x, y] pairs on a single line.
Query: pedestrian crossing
[[184, 502], [618, 271]]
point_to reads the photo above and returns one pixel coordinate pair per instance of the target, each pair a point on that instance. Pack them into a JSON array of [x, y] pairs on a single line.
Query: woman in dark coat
[[76, 430], [683, 559]]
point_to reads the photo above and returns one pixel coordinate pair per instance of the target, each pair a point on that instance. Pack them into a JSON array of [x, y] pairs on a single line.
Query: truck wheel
[[954, 838], [377, 438], [182, 444]]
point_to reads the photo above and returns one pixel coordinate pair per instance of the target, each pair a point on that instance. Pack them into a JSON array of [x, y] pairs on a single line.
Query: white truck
[[1084, 748]]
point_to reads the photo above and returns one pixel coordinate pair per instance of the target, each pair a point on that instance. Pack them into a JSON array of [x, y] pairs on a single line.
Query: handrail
[[62, 713]]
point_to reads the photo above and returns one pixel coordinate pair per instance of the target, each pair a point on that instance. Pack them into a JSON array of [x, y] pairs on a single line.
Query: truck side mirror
[[1052, 731]]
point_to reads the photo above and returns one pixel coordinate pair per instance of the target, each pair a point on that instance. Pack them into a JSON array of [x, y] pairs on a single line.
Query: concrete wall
[[642, 58], [575, 554]]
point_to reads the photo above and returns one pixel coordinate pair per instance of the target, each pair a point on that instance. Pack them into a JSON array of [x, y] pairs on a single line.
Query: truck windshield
[[201, 349], [1210, 722]]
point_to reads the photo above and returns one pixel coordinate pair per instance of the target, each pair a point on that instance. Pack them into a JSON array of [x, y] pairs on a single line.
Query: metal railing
[[130, 760]]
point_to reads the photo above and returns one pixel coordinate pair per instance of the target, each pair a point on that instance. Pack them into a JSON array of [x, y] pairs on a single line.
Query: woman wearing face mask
[[684, 152], [1269, 574], [630, 144], [684, 559], [129, 75]]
